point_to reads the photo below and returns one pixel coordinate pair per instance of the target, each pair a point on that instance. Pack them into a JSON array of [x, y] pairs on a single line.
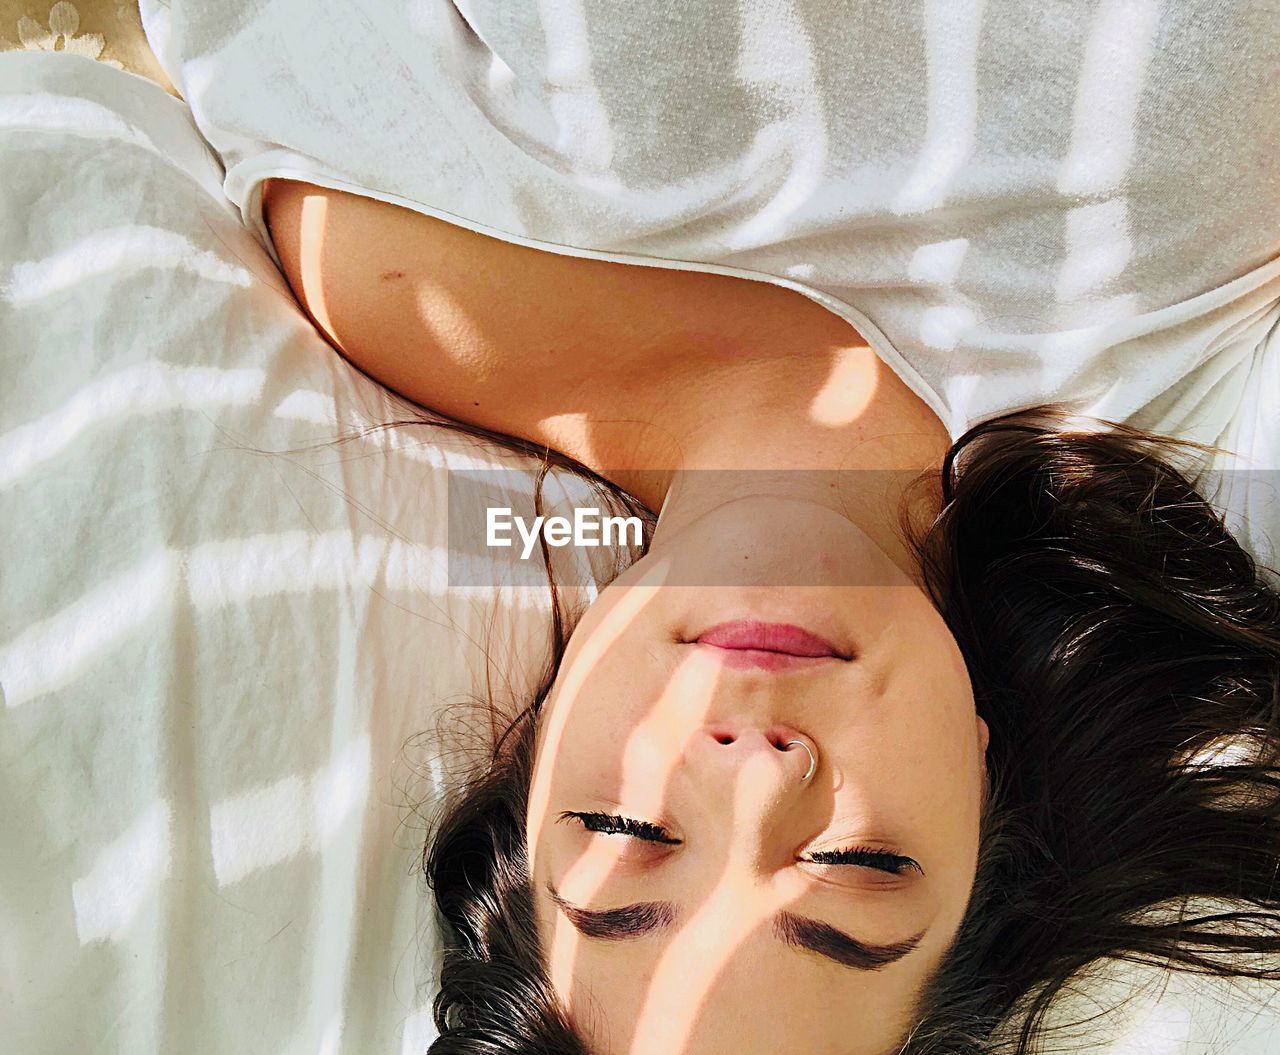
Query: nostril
[[782, 737], [778, 737], [723, 738]]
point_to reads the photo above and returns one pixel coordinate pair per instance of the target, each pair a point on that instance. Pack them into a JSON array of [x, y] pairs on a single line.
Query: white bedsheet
[[211, 657]]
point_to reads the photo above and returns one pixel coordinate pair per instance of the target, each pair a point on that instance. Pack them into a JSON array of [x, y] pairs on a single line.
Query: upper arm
[[306, 224], [285, 204], [357, 269], [447, 317]]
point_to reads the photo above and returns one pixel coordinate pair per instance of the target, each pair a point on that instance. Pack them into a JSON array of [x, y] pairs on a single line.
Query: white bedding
[[212, 658]]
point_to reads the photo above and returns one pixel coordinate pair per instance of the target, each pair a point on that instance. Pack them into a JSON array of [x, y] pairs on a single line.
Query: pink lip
[[770, 646]]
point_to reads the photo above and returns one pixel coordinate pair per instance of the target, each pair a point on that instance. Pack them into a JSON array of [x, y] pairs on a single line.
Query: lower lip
[[767, 646]]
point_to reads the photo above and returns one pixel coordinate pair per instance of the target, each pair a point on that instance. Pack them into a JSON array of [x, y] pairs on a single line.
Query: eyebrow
[[836, 945], [617, 924], [628, 922]]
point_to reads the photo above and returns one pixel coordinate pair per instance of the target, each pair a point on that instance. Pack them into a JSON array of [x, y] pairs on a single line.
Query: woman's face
[[742, 907]]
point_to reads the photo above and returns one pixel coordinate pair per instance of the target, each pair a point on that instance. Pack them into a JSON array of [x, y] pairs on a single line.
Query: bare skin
[[634, 371], [649, 376]]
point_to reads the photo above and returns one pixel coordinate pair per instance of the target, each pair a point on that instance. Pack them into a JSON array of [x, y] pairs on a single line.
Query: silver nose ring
[[813, 758]]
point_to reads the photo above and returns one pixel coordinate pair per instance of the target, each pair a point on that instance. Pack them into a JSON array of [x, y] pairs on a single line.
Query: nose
[[790, 754], [753, 779]]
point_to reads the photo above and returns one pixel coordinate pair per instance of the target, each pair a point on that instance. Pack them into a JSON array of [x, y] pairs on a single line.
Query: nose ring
[[813, 758]]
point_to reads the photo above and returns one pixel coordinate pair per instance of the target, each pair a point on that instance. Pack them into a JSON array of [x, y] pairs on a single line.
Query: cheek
[[590, 749], [636, 719], [947, 688], [633, 767], [936, 750]]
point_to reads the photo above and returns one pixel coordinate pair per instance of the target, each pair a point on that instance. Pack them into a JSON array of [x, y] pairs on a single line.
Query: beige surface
[[106, 30]]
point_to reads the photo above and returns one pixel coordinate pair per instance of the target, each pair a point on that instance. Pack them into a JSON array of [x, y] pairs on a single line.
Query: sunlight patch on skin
[[848, 390], [571, 432], [686, 974], [454, 332], [611, 628], [315, 210], [643, 793], [562, 950]]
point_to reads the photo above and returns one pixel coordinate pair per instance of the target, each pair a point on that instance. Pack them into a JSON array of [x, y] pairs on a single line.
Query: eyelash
[[882, 860], [611, 824]]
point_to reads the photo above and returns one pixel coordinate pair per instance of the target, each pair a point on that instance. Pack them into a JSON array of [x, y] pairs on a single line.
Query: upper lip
[[783, 638]]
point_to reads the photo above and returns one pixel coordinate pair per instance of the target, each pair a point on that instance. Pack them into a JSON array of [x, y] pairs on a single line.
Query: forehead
[[751, 996]]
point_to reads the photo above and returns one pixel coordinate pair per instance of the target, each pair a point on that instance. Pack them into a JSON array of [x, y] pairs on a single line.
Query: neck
[[840, 431], [871, 498]]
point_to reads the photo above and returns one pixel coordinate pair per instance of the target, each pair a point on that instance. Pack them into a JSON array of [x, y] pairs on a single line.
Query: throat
[[836, 410]]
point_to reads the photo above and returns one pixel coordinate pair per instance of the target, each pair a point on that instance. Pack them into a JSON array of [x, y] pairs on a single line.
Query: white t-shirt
[[1013, 203]]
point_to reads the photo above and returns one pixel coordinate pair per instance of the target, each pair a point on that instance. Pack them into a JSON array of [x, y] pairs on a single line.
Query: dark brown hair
[[1116, 636]]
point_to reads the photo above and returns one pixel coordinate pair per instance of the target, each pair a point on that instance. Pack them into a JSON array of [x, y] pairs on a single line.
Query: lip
[[768, 646]]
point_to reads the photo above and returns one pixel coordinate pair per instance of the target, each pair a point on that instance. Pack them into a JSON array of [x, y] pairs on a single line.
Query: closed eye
[[881, 860], [612, 824], [647, 831]]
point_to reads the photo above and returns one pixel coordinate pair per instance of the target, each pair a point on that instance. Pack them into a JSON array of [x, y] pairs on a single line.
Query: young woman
[[882, 735], [841, 763]]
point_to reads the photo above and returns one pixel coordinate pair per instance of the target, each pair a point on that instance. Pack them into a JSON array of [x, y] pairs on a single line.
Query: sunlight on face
[[696, 890]]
